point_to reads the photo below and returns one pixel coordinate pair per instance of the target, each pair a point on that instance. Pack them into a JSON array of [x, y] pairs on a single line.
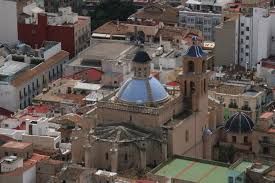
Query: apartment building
[[238, 96], [24, 73], [71, 30], [255, 36], [203, 16], [226, 42]]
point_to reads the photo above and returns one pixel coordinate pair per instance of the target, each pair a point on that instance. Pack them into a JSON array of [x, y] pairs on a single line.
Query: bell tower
[[193, 79]]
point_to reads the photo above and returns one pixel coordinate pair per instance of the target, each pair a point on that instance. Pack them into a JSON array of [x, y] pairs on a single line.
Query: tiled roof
[[168, 32], [26, 76], [16, 145], [112, 28], [229, 89], [239, 123], [5, 112], [159, 12], [195, 51], [119, 134], [38, 109]]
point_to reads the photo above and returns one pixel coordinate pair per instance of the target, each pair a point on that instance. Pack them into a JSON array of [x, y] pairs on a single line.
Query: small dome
[[142, 91], [195, 50], [239, 123], [141, 57], [207, 132]]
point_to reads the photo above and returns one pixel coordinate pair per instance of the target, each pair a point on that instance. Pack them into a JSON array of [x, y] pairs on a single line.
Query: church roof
[[141, 57], [119, 134], [142, 91], [195, 50], [239, 123]]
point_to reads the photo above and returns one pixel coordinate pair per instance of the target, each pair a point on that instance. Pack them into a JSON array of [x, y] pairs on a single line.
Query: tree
[[111, 10]]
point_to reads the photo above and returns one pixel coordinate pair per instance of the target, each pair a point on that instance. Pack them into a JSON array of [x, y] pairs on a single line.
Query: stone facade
[[129, 135]]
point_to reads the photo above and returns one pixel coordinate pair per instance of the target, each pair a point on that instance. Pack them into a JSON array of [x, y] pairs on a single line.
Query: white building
[[10, 163], [12, 133], [254, 37], [21, 81], [42, 135], [203, 15], [8, 21]]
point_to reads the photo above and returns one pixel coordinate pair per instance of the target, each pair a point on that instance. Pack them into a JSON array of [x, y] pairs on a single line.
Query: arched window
[[203, 66], [191, 66], [204, 85], [192, 87], [186, 136], [185, 88]]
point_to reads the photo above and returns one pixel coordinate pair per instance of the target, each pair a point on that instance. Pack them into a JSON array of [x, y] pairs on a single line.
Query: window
[[247, 28], [106, 156], [247, 37], [204, 85], [245, 103], [247, 54], [192, 87], [241, 50], [241, 40], [203, 66], [242, 24], [246, 46], [185, 88], [6, 125], [245, 139], [230, 179], [57, 145], [191, 67], [6, 153], [234, 139], [266, 150], [126, 157], [242, 32], [186, 136]]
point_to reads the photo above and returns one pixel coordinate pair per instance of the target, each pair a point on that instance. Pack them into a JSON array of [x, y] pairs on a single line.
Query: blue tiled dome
[[142, 91], [195, 50], [239, 123]]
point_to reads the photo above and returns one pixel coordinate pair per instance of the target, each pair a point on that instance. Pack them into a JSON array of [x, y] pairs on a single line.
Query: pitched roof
[[5, 112], [118, 133], [159, 12], [28, 75]]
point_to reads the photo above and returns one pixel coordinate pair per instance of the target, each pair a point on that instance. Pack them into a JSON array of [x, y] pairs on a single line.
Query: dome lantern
[[141, 65]]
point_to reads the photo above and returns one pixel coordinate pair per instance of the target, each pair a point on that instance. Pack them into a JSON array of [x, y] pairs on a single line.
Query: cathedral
[[144, 123]]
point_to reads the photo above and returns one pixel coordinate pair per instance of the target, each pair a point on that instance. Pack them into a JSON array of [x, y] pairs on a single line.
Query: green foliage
[[111, 10]]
